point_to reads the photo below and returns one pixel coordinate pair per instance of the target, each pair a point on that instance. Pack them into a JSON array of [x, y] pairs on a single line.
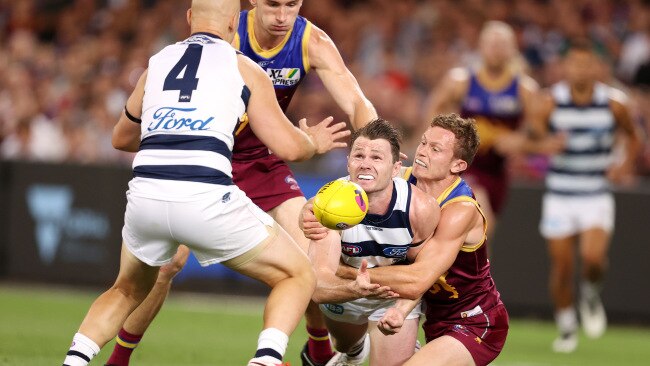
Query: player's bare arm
[[448, 96], [274, 129], [623, 171], [325, 255], [460, 223], [126, 133], [325, 58], [537, 127]]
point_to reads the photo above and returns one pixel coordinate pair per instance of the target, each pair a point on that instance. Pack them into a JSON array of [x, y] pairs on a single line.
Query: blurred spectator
[[69, 64]]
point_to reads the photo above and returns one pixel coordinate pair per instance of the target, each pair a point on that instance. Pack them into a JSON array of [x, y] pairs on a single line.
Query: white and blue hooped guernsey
[[382, 240], [189, 115], [580, 169]]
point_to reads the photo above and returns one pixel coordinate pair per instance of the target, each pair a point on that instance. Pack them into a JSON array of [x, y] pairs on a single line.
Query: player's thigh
[[287, 215], [594, 244], [345, 335], [395, 349], [135, 277], [442, 351], [561, 251], [274, 259]]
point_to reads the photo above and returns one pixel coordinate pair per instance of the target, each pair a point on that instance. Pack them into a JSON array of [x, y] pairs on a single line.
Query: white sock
[[590, 290], [82, 350], [271, 345], [566, 320]]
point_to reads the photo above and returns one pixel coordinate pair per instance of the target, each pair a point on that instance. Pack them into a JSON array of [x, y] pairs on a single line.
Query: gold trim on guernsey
[[305, 47], [239, 261], [319, 338], [495, 84], [407, 173], [256, 46], [243, 122]]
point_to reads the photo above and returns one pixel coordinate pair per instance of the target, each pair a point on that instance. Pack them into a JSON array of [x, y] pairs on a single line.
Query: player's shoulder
[[617, 96], [459, 74], [421, 201], [527, 83]]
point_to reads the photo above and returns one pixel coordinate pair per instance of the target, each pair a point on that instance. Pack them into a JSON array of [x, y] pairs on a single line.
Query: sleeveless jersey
[[194, 97], [382, 240], [494, 112], [467, 288], [286, 64], [580, 169]]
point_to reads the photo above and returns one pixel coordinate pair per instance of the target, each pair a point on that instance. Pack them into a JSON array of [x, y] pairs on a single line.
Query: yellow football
[[340, 204]]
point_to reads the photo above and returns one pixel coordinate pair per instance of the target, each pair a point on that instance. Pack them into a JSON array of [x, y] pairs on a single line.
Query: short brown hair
[[464, 129], [379, 128]]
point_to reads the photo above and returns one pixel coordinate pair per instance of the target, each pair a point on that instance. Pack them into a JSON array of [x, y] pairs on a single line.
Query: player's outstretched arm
[[437, 255], [446, 98], [126, 133], [274, 129], [623, 171], [325, 58]]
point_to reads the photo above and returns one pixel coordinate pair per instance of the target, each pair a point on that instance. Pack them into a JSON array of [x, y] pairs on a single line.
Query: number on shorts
[[188, 83]]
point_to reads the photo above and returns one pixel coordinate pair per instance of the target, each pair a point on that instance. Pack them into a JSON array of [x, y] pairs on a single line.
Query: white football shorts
[[361, 311], [217, 226], [564, 216]]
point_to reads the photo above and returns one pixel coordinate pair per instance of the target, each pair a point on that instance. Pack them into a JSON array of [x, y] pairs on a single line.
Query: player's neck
[[264, 38], [435, 188], [378, 202], [582, 94]]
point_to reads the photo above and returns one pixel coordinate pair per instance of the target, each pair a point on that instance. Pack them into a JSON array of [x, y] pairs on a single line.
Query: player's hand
[[324, 135], [509, 143], [551, 145], [311, 228], [363, 288], [391, 322], [169, 270], [622, 174]]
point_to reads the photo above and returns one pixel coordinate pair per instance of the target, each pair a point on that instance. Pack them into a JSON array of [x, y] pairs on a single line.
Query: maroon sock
[[125, 343], [318, 345]]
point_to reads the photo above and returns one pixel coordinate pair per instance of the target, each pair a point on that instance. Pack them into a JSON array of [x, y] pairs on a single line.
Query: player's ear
[[189, 17], [397, 168], [458, 166]]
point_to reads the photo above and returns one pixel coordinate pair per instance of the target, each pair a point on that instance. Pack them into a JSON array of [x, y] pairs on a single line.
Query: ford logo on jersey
[[350, 249], [395, 252], [171, 118]]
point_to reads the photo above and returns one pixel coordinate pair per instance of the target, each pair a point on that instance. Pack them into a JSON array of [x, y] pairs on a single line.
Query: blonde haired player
[[499, 96], [180, 118], [286, 46]]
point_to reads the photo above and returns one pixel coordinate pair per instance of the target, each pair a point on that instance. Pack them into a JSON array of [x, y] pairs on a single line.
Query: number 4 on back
[[187, 83]]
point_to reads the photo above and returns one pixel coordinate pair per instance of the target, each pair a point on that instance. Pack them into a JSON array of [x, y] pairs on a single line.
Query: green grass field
[[37, 324]]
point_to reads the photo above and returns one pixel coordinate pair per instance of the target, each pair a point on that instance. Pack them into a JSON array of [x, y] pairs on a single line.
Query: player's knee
[[132, 289]]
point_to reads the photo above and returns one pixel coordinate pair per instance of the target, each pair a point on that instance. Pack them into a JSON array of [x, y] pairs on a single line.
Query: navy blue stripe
[[586, 173], [372, 248], [582, 130], [191, 173], [393, 220], [245, 96], [268, 352], [595, 151], [572, 105], [408, 209], [578, 193], [186, 142]]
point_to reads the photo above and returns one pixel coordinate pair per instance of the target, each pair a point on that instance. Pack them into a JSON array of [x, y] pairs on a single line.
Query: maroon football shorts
[[483, 335], [267, 181]]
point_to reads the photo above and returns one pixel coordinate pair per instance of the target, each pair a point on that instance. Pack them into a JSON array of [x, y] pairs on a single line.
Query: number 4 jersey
[[194, 97]]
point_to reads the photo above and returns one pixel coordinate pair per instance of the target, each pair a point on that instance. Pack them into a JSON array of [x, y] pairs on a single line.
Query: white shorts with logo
[[217, 226], [361, 311], [564, 216]]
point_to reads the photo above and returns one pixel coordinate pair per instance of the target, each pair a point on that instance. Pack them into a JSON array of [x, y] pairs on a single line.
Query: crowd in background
[[67, 66]]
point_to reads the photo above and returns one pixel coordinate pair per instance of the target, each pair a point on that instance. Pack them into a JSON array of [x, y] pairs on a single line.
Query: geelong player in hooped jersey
[[400, 217], [466, 322], [181, 118], [286, 46]]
